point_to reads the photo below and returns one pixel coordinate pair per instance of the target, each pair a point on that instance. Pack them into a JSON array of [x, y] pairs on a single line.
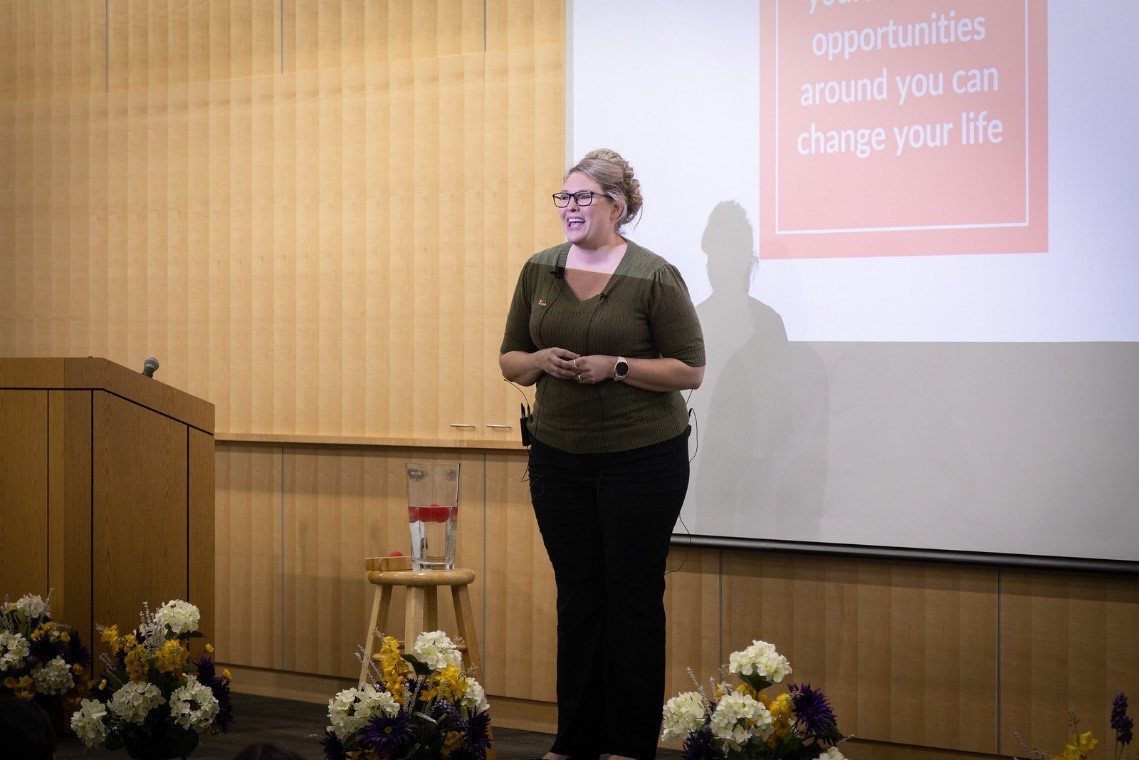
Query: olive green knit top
[[644, 312]]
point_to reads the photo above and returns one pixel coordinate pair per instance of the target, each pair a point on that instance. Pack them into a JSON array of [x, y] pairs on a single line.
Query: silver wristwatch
[[620, 369]]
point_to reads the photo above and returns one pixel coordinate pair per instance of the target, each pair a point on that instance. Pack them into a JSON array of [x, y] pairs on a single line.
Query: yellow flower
[[110, 634], [136, 664], [1080, 748], [782, 711], [22, 687], [745, 688], [452, 741], [394, 667], [172, 657], [451, 684]]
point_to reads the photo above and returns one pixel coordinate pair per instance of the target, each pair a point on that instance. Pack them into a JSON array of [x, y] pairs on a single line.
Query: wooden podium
[[106, 492]]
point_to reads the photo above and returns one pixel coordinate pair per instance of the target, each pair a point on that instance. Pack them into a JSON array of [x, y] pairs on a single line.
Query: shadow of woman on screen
[[749, 465]]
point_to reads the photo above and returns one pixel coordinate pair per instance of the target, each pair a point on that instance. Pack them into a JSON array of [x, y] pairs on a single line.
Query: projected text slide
[[902, 127]]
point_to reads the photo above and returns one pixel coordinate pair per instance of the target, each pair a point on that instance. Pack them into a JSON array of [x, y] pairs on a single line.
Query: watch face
[[621, 369]]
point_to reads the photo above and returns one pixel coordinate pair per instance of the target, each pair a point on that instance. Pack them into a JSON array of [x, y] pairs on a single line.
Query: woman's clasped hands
[[567, 365]]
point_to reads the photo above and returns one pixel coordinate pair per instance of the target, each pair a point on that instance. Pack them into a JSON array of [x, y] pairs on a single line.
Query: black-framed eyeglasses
[[581, 198]]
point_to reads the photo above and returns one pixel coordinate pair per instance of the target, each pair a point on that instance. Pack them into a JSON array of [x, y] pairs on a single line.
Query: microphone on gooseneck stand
[[149, 366]]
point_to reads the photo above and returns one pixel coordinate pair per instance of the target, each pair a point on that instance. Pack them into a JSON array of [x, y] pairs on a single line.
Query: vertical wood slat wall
[[313, 213]]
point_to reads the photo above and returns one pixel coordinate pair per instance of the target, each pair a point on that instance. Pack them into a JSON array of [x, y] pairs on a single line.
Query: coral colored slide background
[[932, 182]]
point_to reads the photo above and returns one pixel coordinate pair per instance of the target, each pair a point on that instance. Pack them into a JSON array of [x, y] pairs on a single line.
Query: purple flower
[[384, 735], [478, 731], [448, 715], [333, 748], [814, 717], [76, 652], [700, 745], [1120, 720]]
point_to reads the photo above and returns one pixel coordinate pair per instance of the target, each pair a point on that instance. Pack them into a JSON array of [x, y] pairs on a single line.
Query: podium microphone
[[149, 366]]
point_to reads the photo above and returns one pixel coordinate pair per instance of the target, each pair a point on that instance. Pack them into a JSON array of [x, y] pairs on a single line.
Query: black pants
[[606, 520]]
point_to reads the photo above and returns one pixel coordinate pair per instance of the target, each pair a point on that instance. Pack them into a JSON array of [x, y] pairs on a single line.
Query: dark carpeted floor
[[298, 726]]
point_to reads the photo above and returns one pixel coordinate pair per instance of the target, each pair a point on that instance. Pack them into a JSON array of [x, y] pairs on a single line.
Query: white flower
[[737, 718], [832, 753], [13, 650], [53, 678], [134, 700], [683, 714], [350, 709], [193, 706], [762, 660], [179, 616], [474, 698], [32, 606], [437, 651], [87, 723]]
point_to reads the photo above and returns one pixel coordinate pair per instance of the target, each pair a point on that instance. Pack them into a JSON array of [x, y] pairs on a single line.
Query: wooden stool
[[421, 612]]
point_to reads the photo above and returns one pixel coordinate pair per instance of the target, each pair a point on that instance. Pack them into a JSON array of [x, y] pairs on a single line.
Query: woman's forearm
[[664, 374], [519, 367]]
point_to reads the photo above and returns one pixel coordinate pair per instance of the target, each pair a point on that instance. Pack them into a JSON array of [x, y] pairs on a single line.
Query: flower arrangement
[[41, 660], [745, 724], [153, 699], [1081, 743], [419, 705]]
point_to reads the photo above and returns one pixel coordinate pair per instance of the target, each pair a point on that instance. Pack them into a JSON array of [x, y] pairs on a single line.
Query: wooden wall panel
[[858, 749], [294, 525], [876, 634], [24, 557], [692, 605], [520, 648], [165, 43], [50, 47], [330, 34], [249, 588], [1067, 643], [201, 541], [291, 211], [328, 534]]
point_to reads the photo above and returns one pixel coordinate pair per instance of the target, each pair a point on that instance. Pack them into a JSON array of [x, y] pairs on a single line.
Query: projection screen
[[908, 227]]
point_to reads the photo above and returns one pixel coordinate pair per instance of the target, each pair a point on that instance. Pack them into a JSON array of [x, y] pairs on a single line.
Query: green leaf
[[757, 682], [421, 668]]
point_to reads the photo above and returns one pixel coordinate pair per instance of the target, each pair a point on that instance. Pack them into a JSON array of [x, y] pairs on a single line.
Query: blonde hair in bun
[[607, 168]]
